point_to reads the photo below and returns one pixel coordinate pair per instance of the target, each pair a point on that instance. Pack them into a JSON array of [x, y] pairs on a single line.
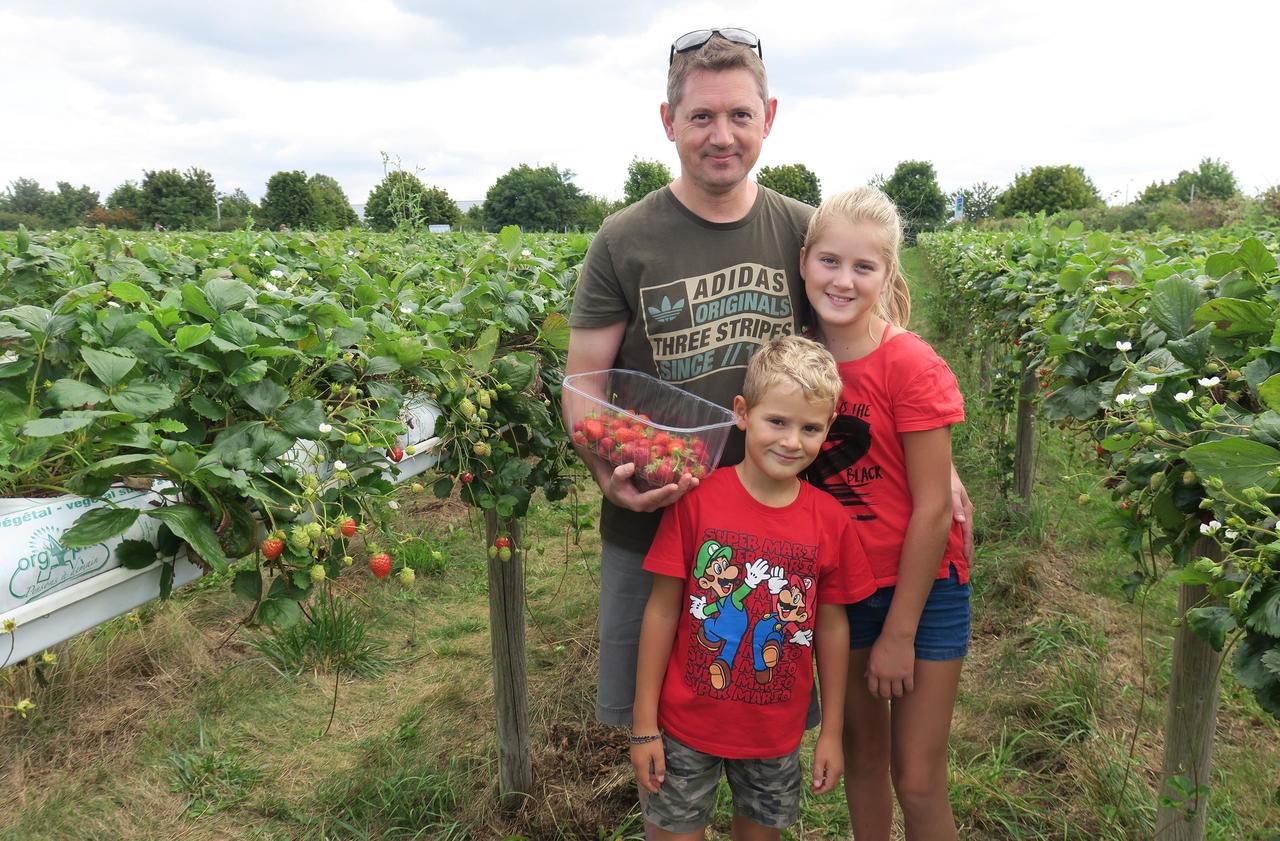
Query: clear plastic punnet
[[631, 417]]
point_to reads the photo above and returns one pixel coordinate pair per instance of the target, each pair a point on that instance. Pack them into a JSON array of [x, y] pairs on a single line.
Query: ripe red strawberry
[[640, 454], [1101, 450], [348, 527], [380, 565], [467, 478], [272, 547], [580, 438], [502, 542], [594, 430], [606, 445], [396, 453], [662, 472]]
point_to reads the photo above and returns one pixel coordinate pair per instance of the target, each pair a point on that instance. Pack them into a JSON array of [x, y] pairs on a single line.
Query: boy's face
[[784, 431]]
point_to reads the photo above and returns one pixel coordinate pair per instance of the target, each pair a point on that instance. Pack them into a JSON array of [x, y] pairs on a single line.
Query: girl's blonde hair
[[869, 205]]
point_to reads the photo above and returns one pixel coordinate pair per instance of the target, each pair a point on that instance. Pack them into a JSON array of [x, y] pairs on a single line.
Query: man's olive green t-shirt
[[698, 298]]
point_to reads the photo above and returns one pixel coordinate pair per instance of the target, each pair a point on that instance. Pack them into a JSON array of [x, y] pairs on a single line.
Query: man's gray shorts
[[765, 790], [624, 592]]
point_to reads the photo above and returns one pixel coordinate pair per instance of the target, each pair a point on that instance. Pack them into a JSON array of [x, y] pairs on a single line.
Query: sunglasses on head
[[697, 38]]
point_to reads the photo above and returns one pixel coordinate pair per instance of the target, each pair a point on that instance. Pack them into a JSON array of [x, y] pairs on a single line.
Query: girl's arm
[[891, 668], [657, 631], [833, 674]]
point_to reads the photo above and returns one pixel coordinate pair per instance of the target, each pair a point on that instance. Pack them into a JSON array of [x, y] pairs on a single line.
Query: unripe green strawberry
[[1083, 499], [299, 538], [483, 399], [467, 408], [1146, 426], [1155, 481], [417, 487], [1189, 477], [354, 438], [352, 390], [493, 552], [437, 555], [406, 576], [481, 449], [504, 553], [314, 529], [317, 573], [347, 560]]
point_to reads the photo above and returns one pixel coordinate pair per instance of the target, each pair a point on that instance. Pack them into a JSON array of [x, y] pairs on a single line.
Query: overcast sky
[[96, 92]]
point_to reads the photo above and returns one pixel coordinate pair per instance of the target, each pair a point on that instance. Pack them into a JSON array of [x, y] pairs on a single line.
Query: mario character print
[[723, 613], [792, 596]]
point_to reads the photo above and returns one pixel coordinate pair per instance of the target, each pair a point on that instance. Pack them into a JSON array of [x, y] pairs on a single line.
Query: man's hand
[[804, 637], [619, 489], [698, 607], [649, 763], [962, 512], [777, 580], [755, 572]]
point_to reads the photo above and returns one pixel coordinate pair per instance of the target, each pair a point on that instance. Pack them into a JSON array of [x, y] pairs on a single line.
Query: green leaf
[[68, 422], [226, 293], [279, 613], [1173, 305], [1194, 349], [1071, 278], [145, 326], [68, 393], [248, 584], [443, 488], [1211, 623], [98, 524], [135, 554], [509, 240], [381, 365], [189, 523], [1269, 391], [1221, 264], [110, 465], [265, 396], [1252, 673], [192, 335], [233, 331], [205, 407], [251, 373], [1238, 462], [1235, 317], [555, 331], [302, 419], [143, 399], [481, 355], [1264, 611], [130, 293], [109, 367], [193, 300], [1255, 257]]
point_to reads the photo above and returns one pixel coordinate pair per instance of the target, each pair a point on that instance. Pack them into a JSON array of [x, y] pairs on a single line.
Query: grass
[[149, 729]]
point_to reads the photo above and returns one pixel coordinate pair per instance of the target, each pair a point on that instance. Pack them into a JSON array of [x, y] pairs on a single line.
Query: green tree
[[473, 219], [541, 199], [594, 210], [237, 208], [25, 196], [331, 209], [794, 180], [69, 205], [1048, 189], [643, 177], [126, 197], [979, 200], [921, 202], [176, 199], [288, 201], [1213, 179], [402, 200]]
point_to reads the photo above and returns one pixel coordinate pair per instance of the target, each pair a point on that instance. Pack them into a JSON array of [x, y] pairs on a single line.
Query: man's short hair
[[717, 54], [797, 361]]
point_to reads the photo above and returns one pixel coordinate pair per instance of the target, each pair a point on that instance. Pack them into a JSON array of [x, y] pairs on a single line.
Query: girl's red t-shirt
[[901, 386]]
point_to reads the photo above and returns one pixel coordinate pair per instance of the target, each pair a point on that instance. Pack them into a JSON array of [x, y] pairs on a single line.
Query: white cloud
[[1131, 92]]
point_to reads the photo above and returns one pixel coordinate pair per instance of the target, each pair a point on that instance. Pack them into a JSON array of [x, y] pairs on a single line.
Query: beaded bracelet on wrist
[[642, 740]]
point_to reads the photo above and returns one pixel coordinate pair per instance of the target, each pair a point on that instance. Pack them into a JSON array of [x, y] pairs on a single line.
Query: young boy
[[752, 572]]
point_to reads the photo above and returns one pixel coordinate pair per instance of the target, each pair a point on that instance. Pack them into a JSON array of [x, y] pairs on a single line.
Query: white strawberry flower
[[1124, 347], [269, 286], [1208, 382], [1124, 398], [526, 253], [1183, 396], [1150, 388], [277, 273], [339, 465], [1100, 288], [406, 309], [325, 429], [393, 505], [1230, 534], [1210, 528], [115, 304]]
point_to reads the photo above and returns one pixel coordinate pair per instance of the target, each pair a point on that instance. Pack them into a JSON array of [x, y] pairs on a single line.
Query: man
[[685, 284]]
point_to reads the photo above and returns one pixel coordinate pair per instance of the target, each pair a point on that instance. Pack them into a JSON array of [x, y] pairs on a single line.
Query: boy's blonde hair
[[717, 54], [797, 361], [869, 205]]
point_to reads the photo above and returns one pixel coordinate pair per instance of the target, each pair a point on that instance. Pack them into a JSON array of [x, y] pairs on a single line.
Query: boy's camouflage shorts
[[765, 790]]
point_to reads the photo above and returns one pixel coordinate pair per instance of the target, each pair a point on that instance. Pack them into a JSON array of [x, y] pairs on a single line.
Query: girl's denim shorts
[[943, 633]]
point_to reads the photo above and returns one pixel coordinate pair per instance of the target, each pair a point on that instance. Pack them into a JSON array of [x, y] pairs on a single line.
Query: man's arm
[[595, 349]]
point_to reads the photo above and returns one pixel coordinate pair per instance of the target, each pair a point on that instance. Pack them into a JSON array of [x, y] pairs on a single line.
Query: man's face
[[718, 128]]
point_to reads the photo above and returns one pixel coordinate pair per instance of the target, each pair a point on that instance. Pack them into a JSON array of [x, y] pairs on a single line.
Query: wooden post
[[510, 668], [1190, 721], [1024, 451]]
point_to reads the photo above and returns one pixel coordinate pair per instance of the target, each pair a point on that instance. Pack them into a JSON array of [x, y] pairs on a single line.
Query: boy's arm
[[657, 632], [833, 674]]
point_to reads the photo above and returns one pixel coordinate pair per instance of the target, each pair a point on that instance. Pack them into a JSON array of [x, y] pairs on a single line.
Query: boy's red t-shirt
[[901, 386], [811, 554]]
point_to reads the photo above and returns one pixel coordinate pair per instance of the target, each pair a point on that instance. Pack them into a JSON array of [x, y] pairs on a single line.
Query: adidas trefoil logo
[[666, 311]]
